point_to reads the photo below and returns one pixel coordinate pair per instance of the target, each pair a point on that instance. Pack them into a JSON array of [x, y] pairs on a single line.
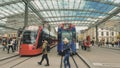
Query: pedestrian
[[45, 53], [92, 42], [15, 44], [11, 44], [66, 50], [4, 43], [85, 45]]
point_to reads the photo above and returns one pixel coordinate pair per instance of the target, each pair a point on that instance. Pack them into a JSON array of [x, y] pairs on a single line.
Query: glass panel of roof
[[44, 4], [2, 12], [49, 13], [54, 3], [60, 4], [1, 15], [53, 13], [6, 10], [49, 4], [77, 3], [11, 9], [4, 1], [58, 13], [2, 22], [44, 14], [71, 2], [15, 7], [35, 4]]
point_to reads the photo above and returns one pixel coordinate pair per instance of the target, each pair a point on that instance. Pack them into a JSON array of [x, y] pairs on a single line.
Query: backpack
[[48, 48]]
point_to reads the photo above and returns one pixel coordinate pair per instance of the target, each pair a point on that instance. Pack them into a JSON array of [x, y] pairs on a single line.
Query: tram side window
[[26, 38], [29, 37]]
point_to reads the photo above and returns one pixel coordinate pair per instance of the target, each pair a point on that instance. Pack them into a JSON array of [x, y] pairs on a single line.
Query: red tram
[[31, 40]]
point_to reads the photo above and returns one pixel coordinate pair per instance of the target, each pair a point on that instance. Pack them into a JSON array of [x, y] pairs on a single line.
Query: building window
[[107, 40], [101, 28], [102, 33], [107, 34], [112, 33], [112, 39]]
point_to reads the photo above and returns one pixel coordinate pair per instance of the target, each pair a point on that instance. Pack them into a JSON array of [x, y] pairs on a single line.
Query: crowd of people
[[9, 44], [108, 43]]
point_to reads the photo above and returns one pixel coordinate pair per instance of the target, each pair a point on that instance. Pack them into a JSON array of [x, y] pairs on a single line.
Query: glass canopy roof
[[83, 13]]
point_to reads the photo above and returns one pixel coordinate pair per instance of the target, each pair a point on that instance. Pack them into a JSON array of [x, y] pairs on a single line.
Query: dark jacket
[[66, 48]]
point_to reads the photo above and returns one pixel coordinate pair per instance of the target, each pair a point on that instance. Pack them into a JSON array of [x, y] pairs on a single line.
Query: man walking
[[44, 51]]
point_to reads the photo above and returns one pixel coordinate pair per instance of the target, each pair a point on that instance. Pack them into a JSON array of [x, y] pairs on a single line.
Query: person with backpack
[[45, 53]]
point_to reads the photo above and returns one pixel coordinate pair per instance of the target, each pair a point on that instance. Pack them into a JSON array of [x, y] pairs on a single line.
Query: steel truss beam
[[115, 12], [34, 9], [9, 3], [72, 10], [84, 10], [110, 16], [71, 20], [73, 17]]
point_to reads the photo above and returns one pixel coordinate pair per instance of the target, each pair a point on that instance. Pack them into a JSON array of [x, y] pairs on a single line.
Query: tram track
[[20, 62], [3, 59], [84, 61], [76, 62], [14, 61]]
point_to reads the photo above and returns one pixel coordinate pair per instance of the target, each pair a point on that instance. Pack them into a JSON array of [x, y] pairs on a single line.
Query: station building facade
[[103, 34]]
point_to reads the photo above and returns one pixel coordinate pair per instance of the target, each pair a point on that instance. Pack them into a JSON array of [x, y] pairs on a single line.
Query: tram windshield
[[29, 37], [67, 34]]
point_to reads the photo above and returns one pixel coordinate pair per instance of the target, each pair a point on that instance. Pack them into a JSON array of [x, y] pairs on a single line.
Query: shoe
[[47, 65], [39, 63]]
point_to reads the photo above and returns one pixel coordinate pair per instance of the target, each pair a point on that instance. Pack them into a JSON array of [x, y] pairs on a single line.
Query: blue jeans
[[66, 61]]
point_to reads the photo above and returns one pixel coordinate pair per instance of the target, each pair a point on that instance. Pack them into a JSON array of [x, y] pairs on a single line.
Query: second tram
[[66, 31]]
